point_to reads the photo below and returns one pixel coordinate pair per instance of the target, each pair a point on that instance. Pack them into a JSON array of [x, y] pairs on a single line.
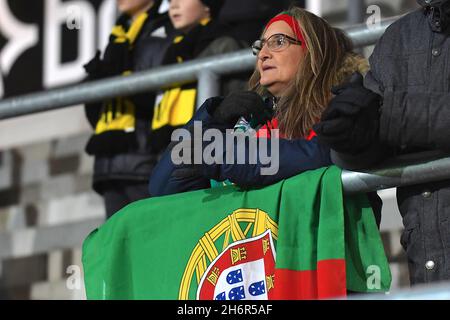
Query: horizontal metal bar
[[365, 35], [156, 78], [402, 171], [26, 242], [138, 82]]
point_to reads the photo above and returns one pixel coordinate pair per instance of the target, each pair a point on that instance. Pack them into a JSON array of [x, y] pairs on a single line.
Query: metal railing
[[207, 71], [401, 171]]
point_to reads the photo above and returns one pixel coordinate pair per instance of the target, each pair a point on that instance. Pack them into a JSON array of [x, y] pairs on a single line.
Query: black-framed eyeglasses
[[275, 42]]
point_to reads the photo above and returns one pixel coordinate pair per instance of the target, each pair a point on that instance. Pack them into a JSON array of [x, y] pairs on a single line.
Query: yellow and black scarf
[[176, 106], [115, 128]]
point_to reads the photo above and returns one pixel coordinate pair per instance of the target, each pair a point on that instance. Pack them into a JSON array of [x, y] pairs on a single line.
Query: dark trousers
[[117, 194]]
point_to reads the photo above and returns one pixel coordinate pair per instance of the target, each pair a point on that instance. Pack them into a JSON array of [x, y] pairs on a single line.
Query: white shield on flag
[[243, 271]]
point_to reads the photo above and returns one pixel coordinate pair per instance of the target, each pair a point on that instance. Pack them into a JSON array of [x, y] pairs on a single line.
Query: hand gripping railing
[[401, 171]]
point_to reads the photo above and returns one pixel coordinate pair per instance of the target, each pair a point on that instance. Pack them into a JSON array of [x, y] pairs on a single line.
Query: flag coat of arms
[[297, 239], [244, 270]]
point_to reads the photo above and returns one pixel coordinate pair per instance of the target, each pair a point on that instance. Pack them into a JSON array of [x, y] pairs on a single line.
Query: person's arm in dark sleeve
[[163, 181], [264, 168], [292, 157], [95, 70], [376, 151]]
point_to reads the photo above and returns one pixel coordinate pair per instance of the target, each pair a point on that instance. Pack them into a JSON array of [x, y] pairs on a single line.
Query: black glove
[[117, 58], [350, 123], [247, 104], [114, 62], [95, 68]]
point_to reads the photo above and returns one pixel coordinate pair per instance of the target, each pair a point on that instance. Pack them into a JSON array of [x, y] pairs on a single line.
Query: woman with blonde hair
[[300, 58]]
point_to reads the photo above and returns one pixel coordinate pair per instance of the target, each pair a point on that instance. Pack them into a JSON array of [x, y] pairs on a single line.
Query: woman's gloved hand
[[350, 123], [247, 104]]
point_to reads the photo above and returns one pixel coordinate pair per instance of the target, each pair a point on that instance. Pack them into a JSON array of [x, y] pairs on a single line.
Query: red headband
[[292, 22]]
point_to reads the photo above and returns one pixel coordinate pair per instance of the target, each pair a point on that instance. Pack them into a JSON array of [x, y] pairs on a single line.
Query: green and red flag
[[297, 239]]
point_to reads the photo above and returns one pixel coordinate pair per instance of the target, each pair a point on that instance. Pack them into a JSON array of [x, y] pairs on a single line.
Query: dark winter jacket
[[120, 144]]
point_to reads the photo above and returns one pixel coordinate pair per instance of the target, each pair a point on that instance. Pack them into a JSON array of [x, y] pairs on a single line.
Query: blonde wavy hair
[[329, 61]]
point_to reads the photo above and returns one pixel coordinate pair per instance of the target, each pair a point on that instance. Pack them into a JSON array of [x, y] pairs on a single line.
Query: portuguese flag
[[297, 239]]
